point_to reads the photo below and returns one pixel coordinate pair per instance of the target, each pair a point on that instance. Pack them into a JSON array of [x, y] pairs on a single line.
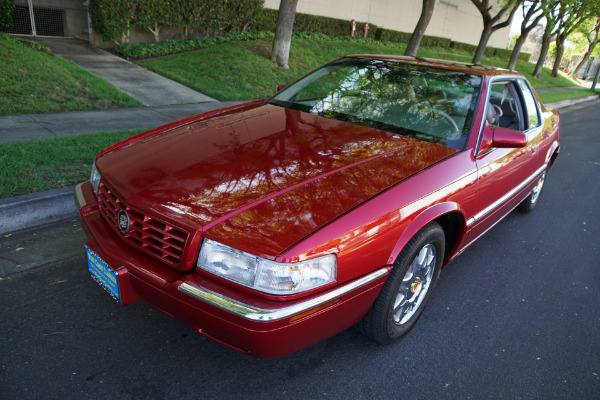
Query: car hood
[[262, 177]]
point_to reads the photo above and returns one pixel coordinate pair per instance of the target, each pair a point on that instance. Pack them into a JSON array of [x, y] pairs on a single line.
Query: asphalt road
[[517, 316]]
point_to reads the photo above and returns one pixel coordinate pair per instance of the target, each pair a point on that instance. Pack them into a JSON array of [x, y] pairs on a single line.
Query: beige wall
[[458, 20]]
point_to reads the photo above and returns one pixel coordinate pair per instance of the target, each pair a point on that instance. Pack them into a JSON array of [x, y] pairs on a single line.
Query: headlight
[[266, 275], [95, 178]]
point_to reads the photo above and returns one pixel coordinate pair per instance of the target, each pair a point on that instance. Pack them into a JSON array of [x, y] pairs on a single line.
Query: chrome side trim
[[502, 199], [260, 314], [79, 199]]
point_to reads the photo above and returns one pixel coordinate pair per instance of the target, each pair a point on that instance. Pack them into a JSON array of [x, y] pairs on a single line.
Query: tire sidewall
[[526, 205]]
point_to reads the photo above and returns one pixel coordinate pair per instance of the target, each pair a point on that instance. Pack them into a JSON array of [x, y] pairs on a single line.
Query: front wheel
[[408, 288], [531, 200]]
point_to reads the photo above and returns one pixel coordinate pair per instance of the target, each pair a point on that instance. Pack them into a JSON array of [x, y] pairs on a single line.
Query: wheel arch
[[448, 215]]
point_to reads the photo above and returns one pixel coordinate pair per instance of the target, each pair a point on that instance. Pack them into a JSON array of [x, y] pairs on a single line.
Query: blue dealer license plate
[[103, 274]]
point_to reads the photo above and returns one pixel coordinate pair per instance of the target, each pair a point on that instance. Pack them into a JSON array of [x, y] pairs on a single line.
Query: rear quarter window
[[530, 104]]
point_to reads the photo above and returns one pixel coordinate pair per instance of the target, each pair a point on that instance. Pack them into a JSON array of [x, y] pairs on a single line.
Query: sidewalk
[[149, 88], [24, 127], [166, 101]]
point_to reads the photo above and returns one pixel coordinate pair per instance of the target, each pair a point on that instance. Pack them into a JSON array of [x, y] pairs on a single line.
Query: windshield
[[426, 103]]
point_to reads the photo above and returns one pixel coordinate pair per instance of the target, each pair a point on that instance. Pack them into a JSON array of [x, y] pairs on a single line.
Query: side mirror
[[282, 86], [500, 138], [508, 138]]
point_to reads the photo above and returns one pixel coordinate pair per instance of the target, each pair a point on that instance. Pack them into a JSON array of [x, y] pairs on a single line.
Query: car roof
[[439, 63]]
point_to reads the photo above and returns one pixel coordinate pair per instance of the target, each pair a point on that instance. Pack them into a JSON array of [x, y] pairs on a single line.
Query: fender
[[424, 218]]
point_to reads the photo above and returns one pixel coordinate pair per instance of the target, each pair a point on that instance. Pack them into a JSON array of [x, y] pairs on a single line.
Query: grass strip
[[34, 81], [243, 70], [550, 97], [29, 167]]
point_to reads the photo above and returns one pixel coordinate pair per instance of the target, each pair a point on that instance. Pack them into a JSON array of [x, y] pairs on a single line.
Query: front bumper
[[250, 324]]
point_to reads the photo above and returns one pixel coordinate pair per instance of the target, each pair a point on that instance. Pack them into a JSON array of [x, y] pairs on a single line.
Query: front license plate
[[103, 274]]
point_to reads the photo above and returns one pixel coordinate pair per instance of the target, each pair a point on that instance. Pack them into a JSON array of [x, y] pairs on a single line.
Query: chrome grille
[[155, 238]]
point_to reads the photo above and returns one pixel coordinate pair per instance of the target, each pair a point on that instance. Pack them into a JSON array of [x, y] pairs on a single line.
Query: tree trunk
[[283, 33], [515, 54], [585, 58], [560, 50], [543, 53], [588, 50], [155, 32], [419, 32], [485, 37]]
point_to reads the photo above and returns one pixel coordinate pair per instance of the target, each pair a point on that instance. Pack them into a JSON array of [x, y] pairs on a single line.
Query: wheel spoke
[[415, 285], [535, 193]]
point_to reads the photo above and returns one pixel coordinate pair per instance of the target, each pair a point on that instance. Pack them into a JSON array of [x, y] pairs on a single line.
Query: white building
[[458, 20]]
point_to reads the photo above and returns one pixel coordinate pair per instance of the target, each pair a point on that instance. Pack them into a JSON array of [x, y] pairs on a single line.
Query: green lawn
[[243, 70], [29, 167], [33, 81], [550, 97]]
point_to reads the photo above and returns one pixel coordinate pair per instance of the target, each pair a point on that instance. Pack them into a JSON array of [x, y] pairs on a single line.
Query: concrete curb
[[570, 102], [30, 210]]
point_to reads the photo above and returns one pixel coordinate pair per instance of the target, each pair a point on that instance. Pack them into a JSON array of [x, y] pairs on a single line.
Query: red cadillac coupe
[[272, 225]]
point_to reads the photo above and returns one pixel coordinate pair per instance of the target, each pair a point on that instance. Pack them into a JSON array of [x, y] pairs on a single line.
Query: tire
[[532, 199], [408, 288]]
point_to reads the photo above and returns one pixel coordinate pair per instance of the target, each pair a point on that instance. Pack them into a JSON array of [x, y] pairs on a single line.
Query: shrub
[[218, 17], [435, 41], [167, 47], [503, 53], [156, 49], [112, 18], [6, 13], [489, 51], [524, 56], [389, 35], [267, 20], [463, 46]]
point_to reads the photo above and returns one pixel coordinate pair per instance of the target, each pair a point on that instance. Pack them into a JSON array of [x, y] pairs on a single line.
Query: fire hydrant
[[365, 30], [353, 27]]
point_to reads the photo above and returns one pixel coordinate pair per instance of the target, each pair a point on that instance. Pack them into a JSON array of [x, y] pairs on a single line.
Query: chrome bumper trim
[[502, 199], [260, 314], [79, 199]]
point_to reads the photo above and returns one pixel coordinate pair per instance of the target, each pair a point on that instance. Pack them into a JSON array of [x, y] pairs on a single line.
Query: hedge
[[435, 41], [463, 46], [113, 19], [489, 51], [524, 56], [166, 47], [267, 20], [388, 35], [6, 13]]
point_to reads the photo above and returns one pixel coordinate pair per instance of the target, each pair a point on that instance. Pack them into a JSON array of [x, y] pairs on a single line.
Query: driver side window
[[503, 108]]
